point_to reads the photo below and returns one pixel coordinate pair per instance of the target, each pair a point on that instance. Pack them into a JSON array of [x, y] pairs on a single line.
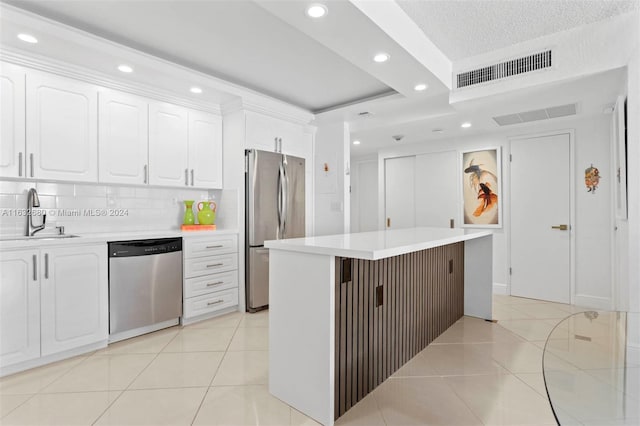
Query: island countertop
[[377, 244]]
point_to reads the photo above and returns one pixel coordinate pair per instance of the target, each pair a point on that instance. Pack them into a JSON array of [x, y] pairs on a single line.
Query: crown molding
[[291, 114]]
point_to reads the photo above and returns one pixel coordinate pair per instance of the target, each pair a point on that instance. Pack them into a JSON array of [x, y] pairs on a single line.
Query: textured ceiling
[[464, 28]]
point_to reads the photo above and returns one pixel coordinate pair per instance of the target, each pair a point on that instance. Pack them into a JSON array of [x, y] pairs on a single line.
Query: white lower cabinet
[[19, 307], [210, 275], [52, 300]]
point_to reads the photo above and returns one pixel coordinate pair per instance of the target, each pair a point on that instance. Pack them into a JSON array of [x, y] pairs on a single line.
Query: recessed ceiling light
[[420, 87], [356, 142], [381, 57], [438, 130], [195, 90], [317, 10], [465, 125], [125, 68], [28, 38]]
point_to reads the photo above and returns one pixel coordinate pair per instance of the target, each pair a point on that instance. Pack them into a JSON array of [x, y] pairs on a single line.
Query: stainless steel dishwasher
[[145, 286]]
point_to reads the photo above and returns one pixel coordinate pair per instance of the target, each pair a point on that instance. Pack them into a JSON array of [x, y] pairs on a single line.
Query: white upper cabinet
[[62, 128], [205, 150], [272, 134], [168, 145], [74, 297], [122, 138], [12, 124]]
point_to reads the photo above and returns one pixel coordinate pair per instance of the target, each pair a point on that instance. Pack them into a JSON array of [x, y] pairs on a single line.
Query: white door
[[74, 297], [540, 209], [205, 150], [399, 202], [19, 307], [62, 128], [12, 124], [122, 138], [436, 186], [168, 145]]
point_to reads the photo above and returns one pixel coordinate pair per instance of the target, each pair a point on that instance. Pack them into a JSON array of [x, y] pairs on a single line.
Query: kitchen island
[[347, 311]]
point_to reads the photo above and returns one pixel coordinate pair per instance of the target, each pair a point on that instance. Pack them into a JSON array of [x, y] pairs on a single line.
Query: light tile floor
[[215, 373]]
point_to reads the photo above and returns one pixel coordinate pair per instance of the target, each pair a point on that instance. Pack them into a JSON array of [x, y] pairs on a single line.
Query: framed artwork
[[620, 156], [481, 188]]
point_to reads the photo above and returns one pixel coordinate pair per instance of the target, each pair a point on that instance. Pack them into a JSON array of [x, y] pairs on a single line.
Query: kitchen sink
[[40, 237]]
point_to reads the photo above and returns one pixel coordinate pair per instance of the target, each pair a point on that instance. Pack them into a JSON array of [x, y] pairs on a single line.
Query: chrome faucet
[[33, 201]]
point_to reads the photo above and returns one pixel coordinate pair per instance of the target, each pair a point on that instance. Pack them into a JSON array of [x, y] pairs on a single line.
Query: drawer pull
[[218, 246], [215, 264], [216, 283], [215, 303]]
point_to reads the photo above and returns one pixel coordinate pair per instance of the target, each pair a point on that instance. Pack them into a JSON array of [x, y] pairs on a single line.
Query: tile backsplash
[[83, 208]]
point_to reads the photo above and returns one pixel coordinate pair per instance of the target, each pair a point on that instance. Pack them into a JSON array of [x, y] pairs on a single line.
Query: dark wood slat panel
[[421, 299]]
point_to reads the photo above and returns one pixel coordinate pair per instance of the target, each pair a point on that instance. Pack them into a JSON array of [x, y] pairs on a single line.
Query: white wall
[[332, 203], [593, 226], [364, 195]]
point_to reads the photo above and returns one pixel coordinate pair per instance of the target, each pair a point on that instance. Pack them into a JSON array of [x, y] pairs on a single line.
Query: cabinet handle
[[276, 141], [146, 174], [280, 143], [20, 164], [31, 163], [191, 177], [214, 284], [46, 265], [186, 177], [212, 247], [215, 264], [35, 268], [215, 303]]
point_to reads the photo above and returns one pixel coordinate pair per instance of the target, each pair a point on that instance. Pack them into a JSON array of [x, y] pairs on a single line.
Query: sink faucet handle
[[60, 230]]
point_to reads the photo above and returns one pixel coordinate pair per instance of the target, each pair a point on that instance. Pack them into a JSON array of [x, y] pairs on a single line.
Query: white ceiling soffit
[[232, 39], [356, 38], [465, 28], [591, 94]]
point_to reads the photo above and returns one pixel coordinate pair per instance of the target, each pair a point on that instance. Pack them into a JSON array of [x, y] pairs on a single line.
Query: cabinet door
[[262, 132], [295, 142], [62, 128], [122, 138], [168, 145], [12, 130], [19, 307], [74, 297], [205, 150]]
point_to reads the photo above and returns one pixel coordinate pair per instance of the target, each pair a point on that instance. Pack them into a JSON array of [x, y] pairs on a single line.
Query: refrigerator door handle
[[285, 204], [280, 201]]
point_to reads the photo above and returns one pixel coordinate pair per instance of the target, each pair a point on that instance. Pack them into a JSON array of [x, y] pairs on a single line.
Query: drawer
[[210, 302], [210, 265], [201, 247], [210, 283]]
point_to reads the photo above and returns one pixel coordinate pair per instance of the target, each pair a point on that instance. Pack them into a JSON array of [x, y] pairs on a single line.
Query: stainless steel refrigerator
[[274, 191]]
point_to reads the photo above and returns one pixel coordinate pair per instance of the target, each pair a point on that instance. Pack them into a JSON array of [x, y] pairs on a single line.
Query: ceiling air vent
[[536, 115], [505, 69]]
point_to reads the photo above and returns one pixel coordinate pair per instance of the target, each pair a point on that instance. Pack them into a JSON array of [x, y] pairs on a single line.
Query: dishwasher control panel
[[144, 247]]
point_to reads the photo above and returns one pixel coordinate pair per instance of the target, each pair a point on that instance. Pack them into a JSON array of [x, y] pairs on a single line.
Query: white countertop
[[378, 244], [94, 238]]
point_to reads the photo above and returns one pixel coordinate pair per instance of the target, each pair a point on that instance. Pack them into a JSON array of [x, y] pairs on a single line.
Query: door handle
[[560, 227], [146, 174], [214, 284], [215, 303], [218, 246], [186, 177], [35, 268], [46, 265], [20, 164], [192, 177], [214, 265], [388, 222], [280, 201], [285, 201], [31, 162]]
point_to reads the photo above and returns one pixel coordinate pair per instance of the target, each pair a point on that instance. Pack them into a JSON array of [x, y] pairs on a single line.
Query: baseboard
[[499, 288], [594, 302], [192, 320]]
